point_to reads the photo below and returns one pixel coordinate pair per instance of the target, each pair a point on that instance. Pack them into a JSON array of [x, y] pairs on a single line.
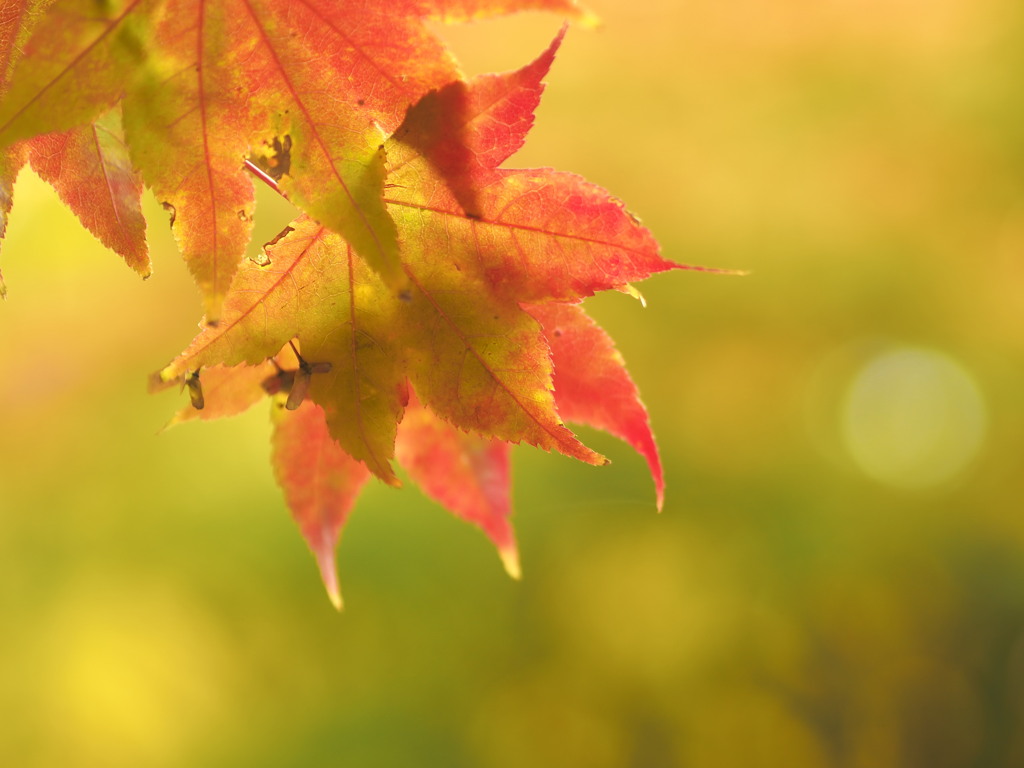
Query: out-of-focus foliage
[[802, 601]]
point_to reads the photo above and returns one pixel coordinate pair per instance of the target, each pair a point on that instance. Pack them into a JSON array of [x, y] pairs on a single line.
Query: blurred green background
[[838, 576]]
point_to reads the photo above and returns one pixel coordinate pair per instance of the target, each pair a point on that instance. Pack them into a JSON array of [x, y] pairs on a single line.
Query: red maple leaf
[[424, 308], [307, 88], [488, 332]]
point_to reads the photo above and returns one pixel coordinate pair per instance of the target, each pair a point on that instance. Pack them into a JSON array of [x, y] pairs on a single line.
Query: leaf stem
[[256, 171]]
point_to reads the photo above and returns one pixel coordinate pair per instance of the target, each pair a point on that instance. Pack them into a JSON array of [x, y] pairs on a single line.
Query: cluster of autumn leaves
[[424, 308]]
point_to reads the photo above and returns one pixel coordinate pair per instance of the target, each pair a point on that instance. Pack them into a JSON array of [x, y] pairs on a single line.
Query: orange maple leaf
[[423, 309]]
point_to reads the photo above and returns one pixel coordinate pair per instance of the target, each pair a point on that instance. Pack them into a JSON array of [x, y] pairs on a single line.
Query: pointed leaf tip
[[467, 473], [91, 171], [465, 130], [591, 383], [329, 572], [320, 482], [510, 559], [631, 290]]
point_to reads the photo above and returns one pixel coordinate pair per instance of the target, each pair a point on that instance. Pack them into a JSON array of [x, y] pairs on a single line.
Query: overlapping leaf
[[90, 169], [17, 18], [188, 129], [314, 288], [79, 60], [592, 386], [477, 245], [287, 83], [88, 165], [461, 338], [307, 90], [231, 390], [466, 473], [535, 235], [321, 483], [423, 309]]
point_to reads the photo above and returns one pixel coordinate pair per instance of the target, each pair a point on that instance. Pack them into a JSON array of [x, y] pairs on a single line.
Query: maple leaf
[[466, 473], [537, 235], [229, 390], [320, 481], [484, 348], [87, 165], [314, 288], [307, 89], [592, 386], [77, 62], [90, 169], [424, 307], [469, 350]]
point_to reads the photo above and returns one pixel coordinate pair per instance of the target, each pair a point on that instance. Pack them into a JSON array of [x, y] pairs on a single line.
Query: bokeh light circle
[[913, 418]]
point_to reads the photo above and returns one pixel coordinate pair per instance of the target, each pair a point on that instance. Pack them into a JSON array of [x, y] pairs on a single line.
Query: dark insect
[[295, 383], [195, 391], [300, 385]]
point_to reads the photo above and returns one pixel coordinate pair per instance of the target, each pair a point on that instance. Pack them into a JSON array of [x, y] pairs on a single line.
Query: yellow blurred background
[[838, 576]]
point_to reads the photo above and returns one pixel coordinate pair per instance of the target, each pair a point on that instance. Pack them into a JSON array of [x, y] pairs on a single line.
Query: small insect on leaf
[[423, 268], [300, 385], [195, 391], [300, 379]]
